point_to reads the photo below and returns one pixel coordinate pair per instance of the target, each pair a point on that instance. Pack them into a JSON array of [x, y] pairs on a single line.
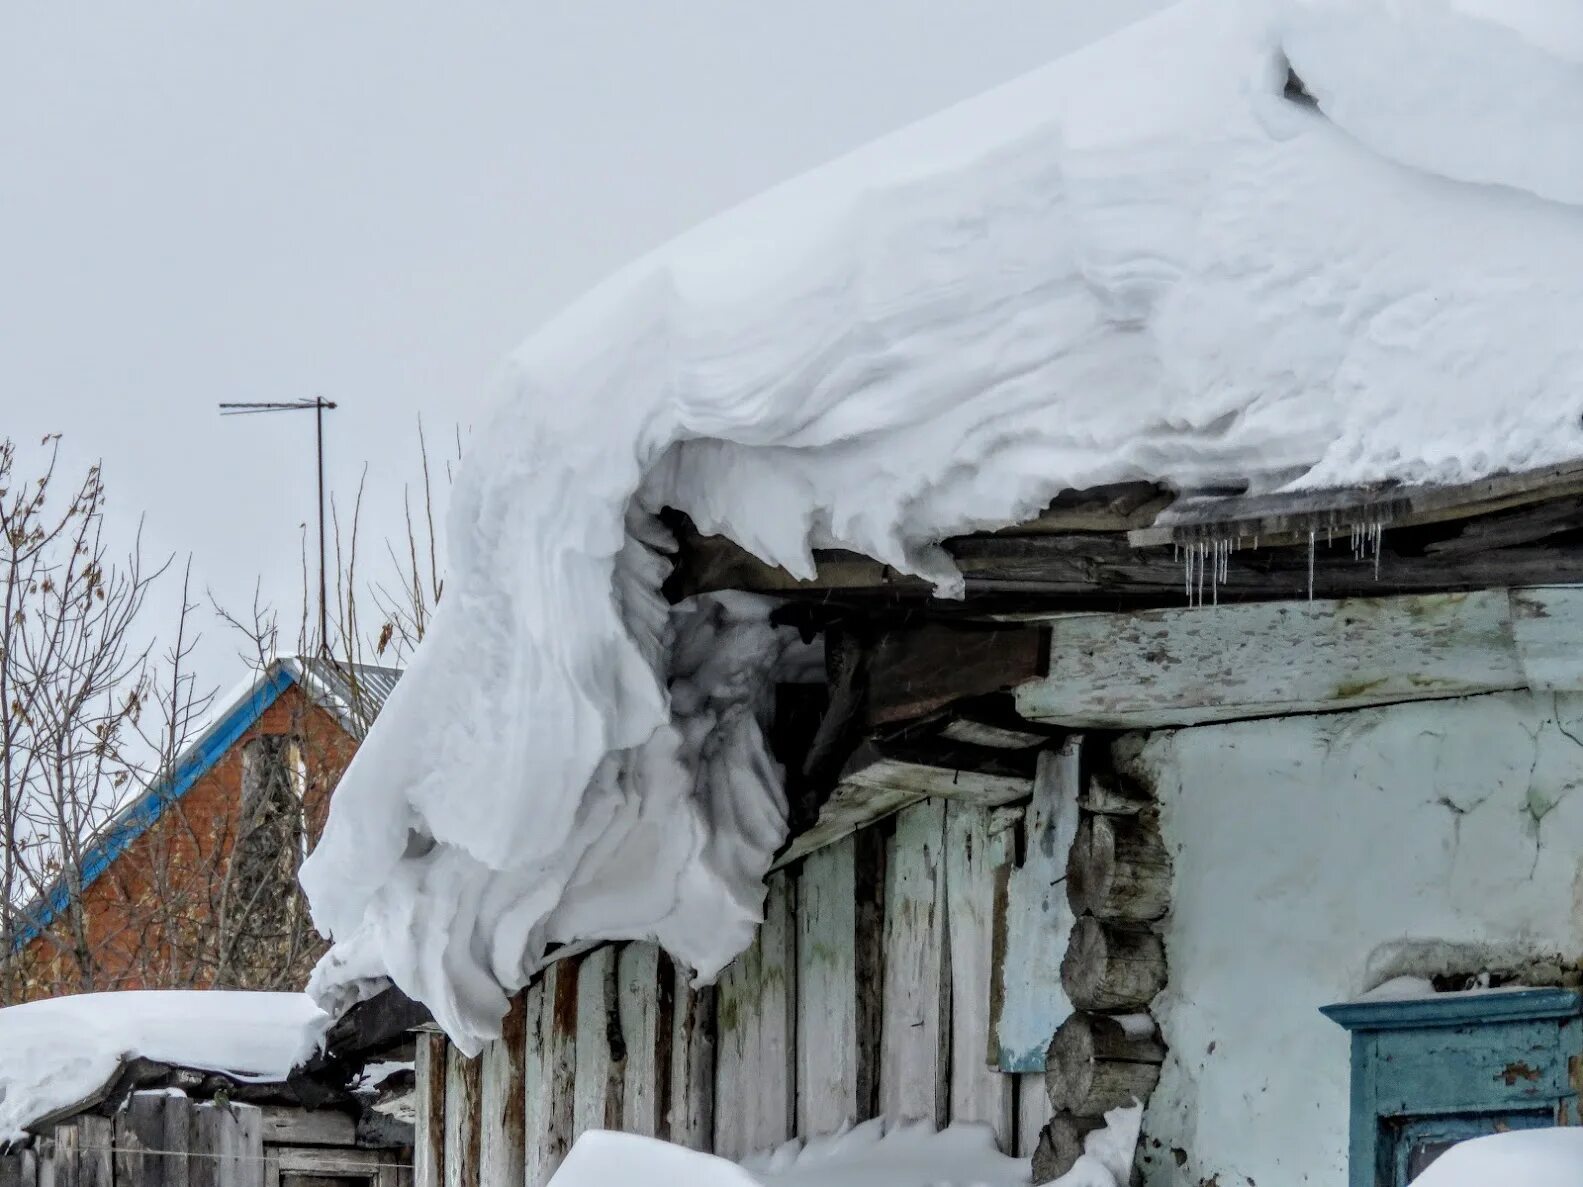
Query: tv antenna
[[318, 406]]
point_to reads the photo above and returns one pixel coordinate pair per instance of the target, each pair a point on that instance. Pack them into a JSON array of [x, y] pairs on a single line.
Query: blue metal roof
[[138, 817]]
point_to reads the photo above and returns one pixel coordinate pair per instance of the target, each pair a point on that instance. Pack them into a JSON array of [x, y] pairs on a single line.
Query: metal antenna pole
[[318, 405], [324, 613]]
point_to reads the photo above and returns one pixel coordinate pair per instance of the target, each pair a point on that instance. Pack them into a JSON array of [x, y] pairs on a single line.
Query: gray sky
[[375, 201]]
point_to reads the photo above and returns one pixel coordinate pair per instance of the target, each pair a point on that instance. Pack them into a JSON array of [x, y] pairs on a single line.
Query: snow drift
[[874, 1154], [1522, 1158], [868, 1155], [1141, 262], [56, 1052]]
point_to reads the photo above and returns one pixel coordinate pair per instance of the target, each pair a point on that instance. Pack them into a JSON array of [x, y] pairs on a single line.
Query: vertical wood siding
[[868, 990]]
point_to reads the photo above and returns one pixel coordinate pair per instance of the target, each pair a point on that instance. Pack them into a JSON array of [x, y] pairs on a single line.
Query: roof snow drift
[[59, 1052], [1141, 262]]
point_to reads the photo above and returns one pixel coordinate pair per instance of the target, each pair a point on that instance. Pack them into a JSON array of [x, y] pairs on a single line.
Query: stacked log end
[[1108, 1054]]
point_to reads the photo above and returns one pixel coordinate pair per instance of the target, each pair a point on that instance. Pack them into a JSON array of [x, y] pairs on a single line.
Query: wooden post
[[1097, 1064]]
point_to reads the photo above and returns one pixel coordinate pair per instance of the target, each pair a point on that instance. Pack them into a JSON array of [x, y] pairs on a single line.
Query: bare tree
[[96, 726], [92, 714]]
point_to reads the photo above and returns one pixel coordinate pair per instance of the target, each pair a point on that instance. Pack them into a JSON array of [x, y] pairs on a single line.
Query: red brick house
[[193, 884]]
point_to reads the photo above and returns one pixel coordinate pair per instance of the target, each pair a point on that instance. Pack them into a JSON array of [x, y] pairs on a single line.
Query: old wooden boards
[[868, 990], [156, 1140], [614, 1038], [1188, 666]]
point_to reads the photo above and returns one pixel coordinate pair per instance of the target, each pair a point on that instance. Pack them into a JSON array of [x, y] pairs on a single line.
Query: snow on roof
[[60, 1051], [1141, 262]]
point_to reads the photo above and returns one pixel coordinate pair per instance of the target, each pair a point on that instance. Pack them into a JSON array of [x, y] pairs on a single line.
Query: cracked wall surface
[[1317, 856]]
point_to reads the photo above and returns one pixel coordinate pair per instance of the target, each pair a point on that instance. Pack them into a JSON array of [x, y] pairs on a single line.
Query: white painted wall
[[1311, 853]]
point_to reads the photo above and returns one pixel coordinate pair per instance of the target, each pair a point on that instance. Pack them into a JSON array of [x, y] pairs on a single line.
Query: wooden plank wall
[[867, 992]]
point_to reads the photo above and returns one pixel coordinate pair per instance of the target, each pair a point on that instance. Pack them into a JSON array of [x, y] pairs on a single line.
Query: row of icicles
[[1207, 562]]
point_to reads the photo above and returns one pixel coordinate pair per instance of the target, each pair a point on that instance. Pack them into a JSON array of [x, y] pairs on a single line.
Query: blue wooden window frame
[[1457, 1066]]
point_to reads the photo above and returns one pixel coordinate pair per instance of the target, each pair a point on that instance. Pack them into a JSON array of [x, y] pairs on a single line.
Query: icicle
[[1312, 539]]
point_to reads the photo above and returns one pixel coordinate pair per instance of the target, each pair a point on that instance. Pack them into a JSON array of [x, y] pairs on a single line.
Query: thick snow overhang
[[66, 1055], [1144, 268]]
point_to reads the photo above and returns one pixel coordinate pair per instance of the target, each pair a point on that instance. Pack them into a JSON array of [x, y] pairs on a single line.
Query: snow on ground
[[1522, 1158], [868, 1155], [1140, 262], [873, 1154], [56, 1052]]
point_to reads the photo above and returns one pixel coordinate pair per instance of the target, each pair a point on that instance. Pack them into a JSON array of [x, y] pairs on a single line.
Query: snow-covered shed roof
[[63, 1053], [1147, 262], [354, 693]]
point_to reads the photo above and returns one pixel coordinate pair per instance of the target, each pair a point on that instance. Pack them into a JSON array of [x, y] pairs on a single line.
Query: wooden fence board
[[83, 1152], [429, 1125], [692, 1097], [827, 990], [18, 1169], [601, 1050], [503, 1099], [226, 1142], [463, 1129], [645, 1015], [535, 1072], [551, 1135], [755, 1093], [140, 1126], [975, 858], [915, 1032]]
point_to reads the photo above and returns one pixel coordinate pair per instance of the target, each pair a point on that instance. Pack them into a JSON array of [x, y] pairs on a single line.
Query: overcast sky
[[205, 202]]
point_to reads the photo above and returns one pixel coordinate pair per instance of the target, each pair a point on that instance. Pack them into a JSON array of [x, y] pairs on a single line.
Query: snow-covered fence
[[163, 1139], [874, 987]]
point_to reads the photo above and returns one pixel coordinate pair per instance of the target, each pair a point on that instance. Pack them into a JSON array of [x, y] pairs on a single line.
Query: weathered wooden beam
[[1515, 539], [984, 776], [1293, 515], [885, 776], [914, 672], [1184, 667]]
